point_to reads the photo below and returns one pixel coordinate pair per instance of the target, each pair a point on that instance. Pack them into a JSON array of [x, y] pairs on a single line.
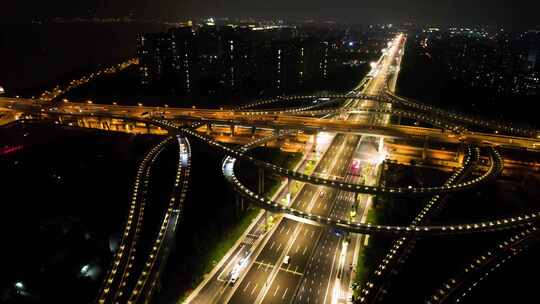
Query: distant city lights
[[53, 93]]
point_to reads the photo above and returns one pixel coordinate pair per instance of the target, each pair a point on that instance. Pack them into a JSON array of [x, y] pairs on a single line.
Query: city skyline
[[520, 14], [309, 152]]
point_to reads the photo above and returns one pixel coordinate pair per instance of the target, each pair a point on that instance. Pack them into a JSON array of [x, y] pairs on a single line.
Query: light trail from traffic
[[299, 216]]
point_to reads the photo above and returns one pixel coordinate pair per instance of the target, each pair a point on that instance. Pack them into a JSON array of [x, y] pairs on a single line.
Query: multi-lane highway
[[304, 263], [308, 254]]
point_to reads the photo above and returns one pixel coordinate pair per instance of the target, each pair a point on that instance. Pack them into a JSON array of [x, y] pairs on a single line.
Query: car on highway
[[234, 276], [286, 260], [355, 168], [338, 232], [321, 194]]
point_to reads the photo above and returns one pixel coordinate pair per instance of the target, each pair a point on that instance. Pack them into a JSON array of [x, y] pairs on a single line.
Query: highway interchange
[[315, 253], [307, 255]]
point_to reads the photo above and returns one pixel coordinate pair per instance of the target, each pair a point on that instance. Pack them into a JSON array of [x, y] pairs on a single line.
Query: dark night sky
[[517, 13]]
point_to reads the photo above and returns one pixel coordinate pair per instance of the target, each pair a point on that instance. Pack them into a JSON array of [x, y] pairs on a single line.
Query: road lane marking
[[275, 292], [253, 290], [247, 285]]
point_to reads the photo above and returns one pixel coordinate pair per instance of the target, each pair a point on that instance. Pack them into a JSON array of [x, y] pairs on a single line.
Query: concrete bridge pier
[[232, 130], [460, 154], [208, 128], [260, 190], [106, 125], [424, 149], [261, 181], [100, 125], [239, 201], [314, 148], [289, 190]]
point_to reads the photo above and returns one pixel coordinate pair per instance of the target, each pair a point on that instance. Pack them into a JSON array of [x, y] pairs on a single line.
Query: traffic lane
[[314, 286], [307, 235], [283, 287], [343, 206], [267, 259], [248, 291], [251, 285], [327, 251], [323, 207], [318, 282], [327, 166], [330, 153], [217, 283], [289, 275], [328, 200], [261, 269], [303, 202], [324, 163], [277, 243], [320, 271], [298, 259], [298, 253], [221, 281]]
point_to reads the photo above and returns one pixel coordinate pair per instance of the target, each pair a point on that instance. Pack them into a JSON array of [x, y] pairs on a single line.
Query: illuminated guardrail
[[377, 285], [122, 261]]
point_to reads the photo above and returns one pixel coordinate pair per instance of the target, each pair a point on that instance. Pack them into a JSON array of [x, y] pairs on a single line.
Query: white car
[[234, 276], [286, 260]]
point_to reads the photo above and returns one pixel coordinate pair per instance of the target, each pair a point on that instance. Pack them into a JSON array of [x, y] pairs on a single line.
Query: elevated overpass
[[274, 124], [112, 117]]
